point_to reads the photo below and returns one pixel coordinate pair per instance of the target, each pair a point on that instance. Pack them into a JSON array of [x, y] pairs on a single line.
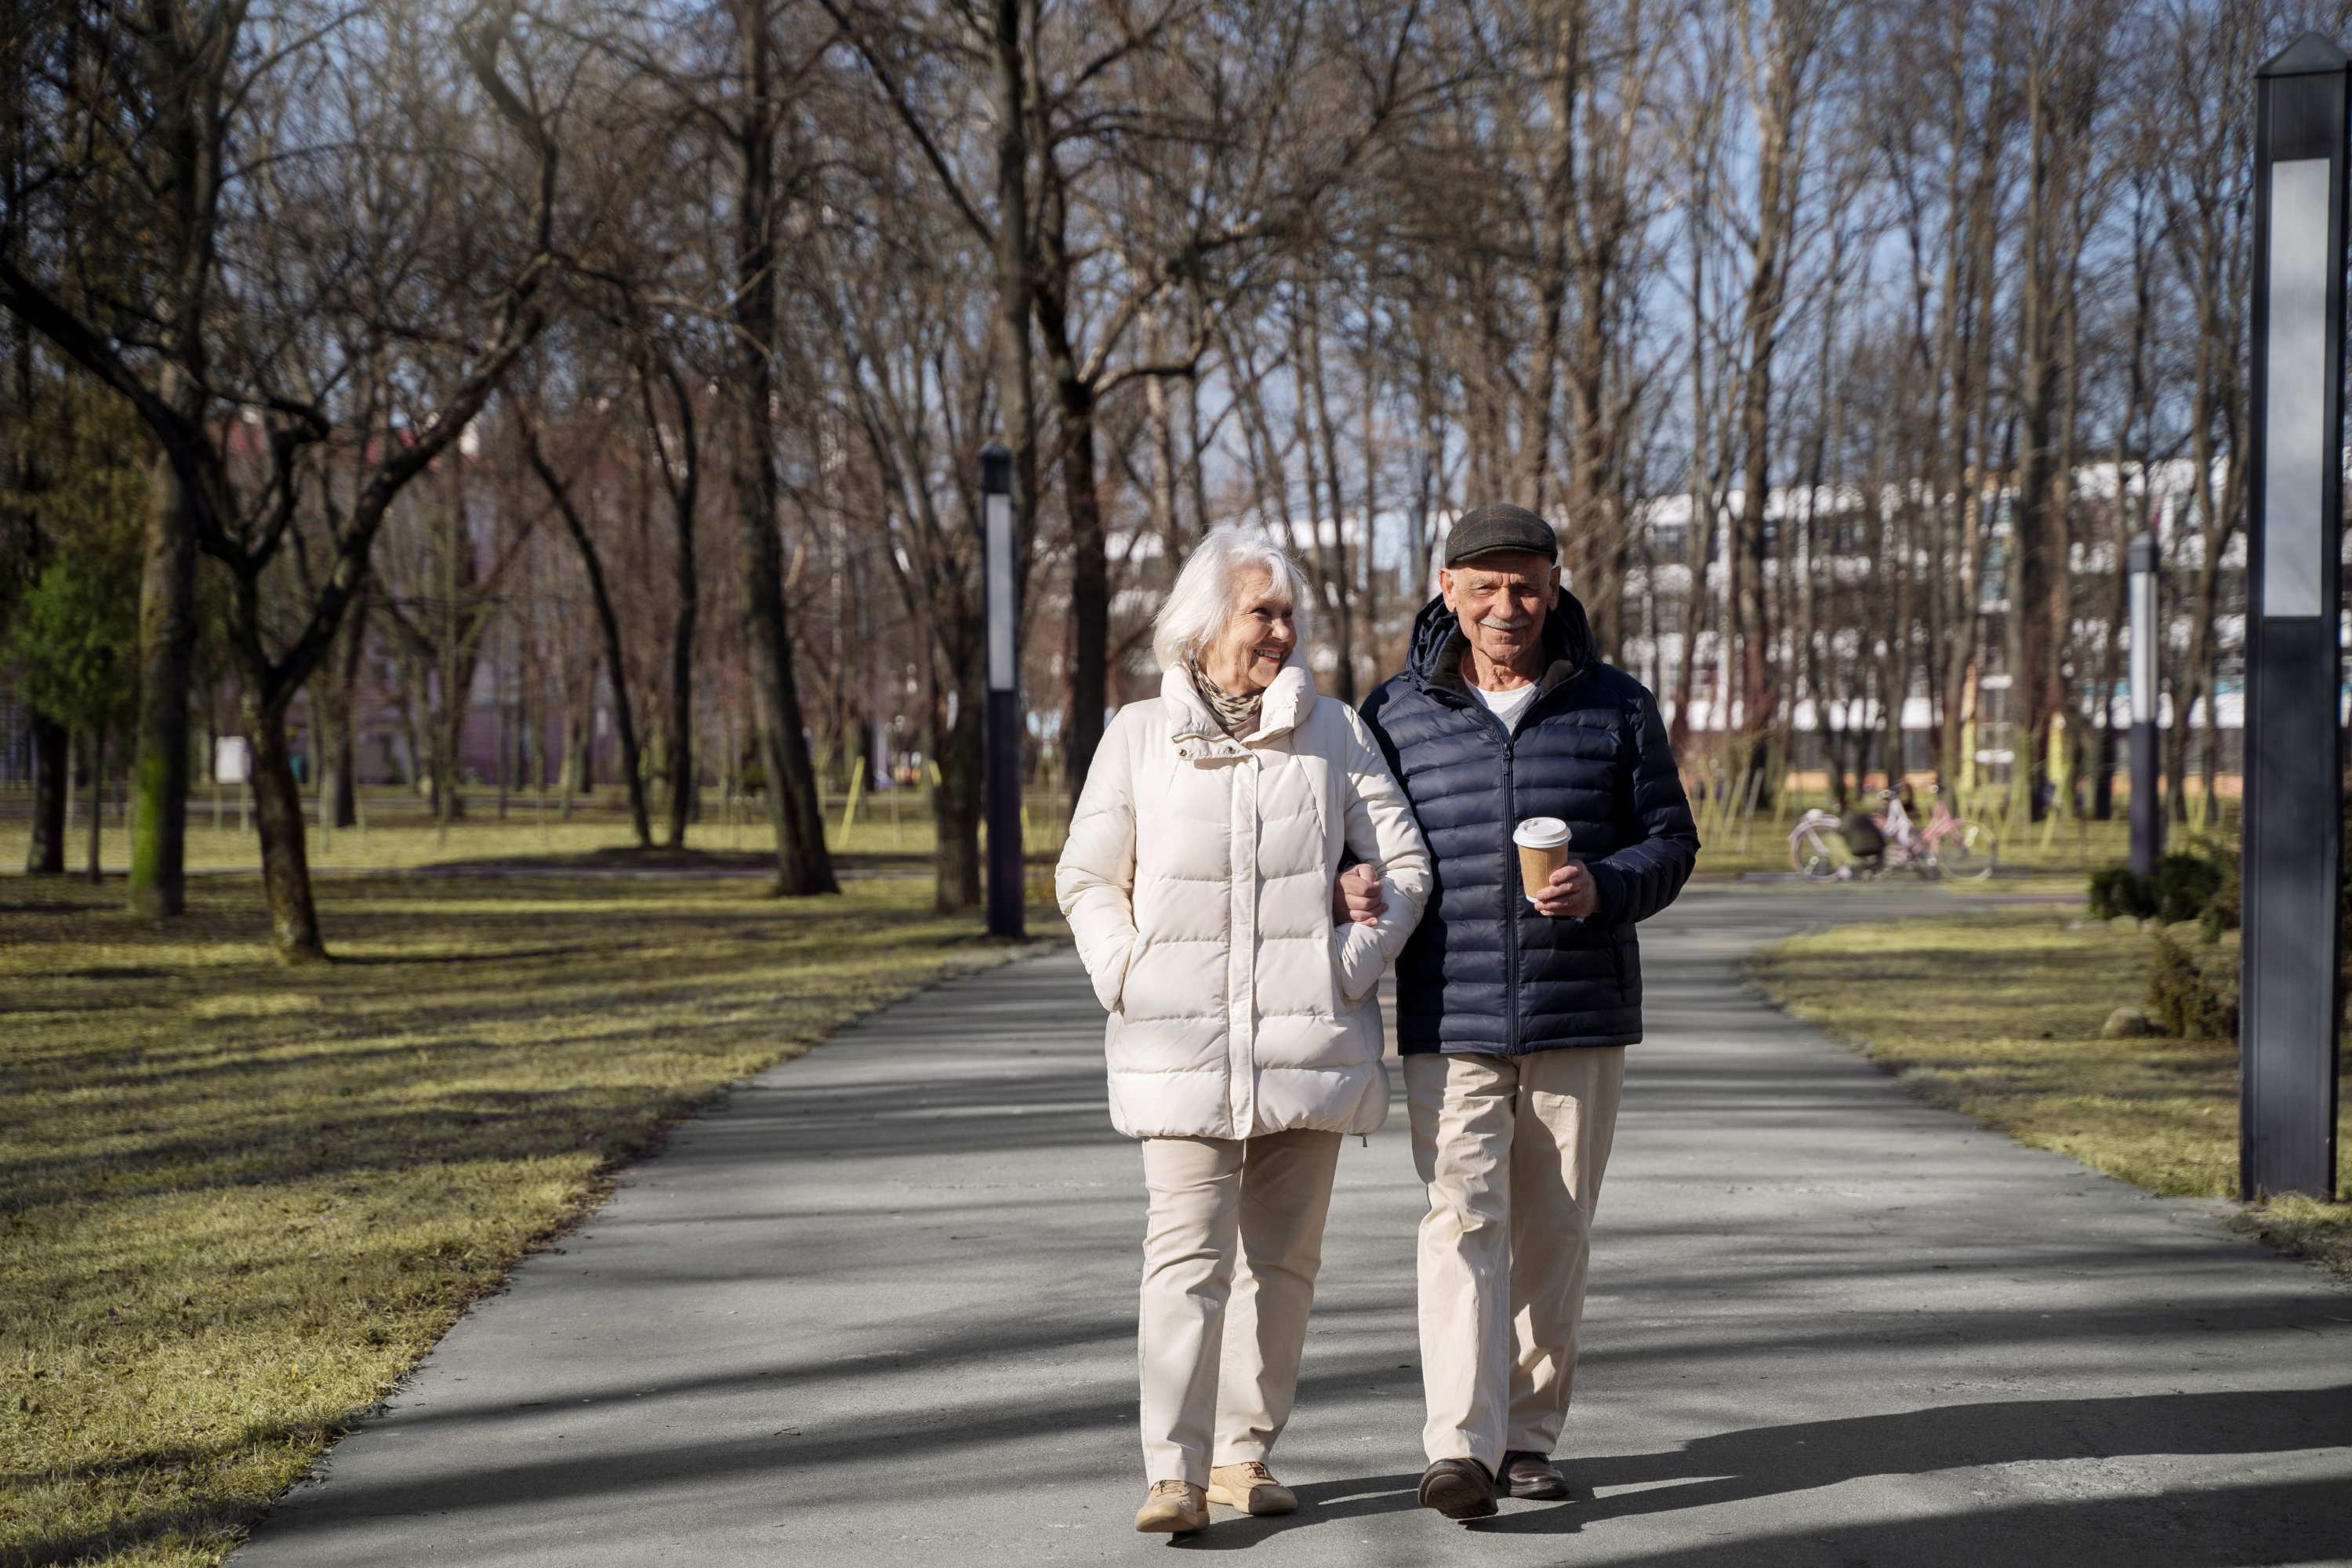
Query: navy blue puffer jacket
[[1484, 972]]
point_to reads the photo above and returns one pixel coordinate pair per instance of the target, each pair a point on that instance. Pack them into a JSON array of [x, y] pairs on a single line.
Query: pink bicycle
[[1948, 845]]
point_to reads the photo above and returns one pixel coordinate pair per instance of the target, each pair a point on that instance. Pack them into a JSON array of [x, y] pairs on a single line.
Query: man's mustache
[[1494, 624]]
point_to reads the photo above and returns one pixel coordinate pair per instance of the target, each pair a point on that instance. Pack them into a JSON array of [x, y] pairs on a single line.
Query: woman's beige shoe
[[1251, 1488], [1173, 1508]]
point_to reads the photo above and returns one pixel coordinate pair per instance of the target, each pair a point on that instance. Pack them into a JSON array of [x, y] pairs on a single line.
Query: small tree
[[74, 637]]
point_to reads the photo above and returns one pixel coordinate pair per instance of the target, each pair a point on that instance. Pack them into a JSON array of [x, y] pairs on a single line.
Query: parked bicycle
[[1825, 847]]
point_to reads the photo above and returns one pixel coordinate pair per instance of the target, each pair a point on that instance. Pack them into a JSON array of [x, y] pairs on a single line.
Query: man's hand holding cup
[[1556, 885], [1569, 892]]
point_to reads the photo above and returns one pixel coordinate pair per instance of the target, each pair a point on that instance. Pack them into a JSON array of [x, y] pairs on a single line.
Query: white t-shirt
[[1508, 705]]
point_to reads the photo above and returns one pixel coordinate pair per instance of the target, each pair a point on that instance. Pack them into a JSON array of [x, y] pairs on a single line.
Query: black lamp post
[[2146, 820], [2290, 1006], [1001, 727]]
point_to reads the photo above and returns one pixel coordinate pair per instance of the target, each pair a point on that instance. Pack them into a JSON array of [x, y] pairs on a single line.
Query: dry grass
[[401, 834], [237, 1202], [1997, 1014]]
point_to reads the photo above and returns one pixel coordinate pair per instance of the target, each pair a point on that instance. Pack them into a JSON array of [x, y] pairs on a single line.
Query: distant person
[[1244, 1036], [1515, 1004], [1865, 840]]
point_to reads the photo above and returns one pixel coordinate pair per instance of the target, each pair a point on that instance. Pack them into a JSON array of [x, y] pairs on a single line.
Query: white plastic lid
[[1541, 833]]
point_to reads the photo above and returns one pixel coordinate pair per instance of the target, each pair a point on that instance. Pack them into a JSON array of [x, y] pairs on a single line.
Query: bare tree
[[608, 624], [339, 203]]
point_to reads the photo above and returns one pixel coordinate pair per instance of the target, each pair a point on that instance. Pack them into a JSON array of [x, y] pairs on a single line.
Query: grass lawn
[[238, 1202], [400, 833], [1997, 1014]]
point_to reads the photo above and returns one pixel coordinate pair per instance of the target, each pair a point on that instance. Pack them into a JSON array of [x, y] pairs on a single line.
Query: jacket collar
[[1438, 645], [1277, 715]]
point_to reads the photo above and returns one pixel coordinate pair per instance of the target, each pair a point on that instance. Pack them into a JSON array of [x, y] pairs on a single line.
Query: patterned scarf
[[1236, 715]]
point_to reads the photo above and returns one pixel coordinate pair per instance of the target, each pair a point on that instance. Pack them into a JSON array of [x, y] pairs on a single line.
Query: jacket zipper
[[1510, 862]]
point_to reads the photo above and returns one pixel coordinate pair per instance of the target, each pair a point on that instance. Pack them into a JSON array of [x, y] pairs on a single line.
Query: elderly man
[[1515, 1005]]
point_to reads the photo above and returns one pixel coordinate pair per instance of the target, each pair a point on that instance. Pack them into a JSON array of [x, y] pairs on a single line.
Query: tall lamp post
[[1001, 726], [2291, 1006], [2146, 820]]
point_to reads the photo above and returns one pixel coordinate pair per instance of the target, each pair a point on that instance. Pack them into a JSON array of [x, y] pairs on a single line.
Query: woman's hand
[[1356, 896], [1569, 892]]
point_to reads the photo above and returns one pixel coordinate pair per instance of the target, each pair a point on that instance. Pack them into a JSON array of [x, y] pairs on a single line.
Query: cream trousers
[[1218, 1343], [1512, 1149]]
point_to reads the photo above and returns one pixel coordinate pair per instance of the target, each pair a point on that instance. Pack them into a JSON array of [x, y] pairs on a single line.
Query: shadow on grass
[[501, 955]]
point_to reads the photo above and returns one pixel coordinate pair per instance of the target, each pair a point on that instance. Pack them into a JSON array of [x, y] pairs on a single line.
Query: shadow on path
[[1773, 1461]]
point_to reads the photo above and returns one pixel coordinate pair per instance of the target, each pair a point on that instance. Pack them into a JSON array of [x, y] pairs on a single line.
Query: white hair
[[1208, 591]]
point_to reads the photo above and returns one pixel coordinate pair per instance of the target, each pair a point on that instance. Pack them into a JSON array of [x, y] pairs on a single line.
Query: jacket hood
[[1566, 637]]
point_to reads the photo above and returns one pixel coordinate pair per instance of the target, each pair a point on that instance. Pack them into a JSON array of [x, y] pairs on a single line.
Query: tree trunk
[[407, 695], [1198, 470], [167, 640], [680, 761], [1334, 568], [1751, 619], [803, 865], [1089, 582], [97, 797], [624, 721], [343, 798], [2174, 742], [448, 729], [682, 479], [581, 735], [577, 726], [956, 796], [1081, 490], [52, 781], [285, 855], [337, 699], [1161, 425]]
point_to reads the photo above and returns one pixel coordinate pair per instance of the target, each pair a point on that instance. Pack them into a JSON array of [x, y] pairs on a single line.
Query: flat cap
[[1487, 530]]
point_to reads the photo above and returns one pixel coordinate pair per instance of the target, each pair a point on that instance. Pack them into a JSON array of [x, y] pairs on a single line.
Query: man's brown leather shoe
[[1530, 1474], [1458, 1488], [1251, 1488], [1173, 1508]]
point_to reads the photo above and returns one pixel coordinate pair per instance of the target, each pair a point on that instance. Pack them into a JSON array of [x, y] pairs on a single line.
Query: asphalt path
[[878, 1309]]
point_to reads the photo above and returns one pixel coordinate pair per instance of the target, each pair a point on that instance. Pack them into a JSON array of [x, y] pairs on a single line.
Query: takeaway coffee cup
[[1543, 849]]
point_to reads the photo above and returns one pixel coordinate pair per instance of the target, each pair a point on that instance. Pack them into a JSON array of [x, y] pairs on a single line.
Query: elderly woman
[[1245, 1033]]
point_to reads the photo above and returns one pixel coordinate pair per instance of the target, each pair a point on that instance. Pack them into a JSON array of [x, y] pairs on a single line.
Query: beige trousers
[[1512, 1149], [1230, 1251]]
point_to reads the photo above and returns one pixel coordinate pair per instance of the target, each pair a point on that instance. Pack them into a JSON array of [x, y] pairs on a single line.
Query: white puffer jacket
[[1198, 880]]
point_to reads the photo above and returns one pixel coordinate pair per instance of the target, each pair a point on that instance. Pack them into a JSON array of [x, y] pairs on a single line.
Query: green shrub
[[2184, 1000], [2116, 891], [2221, 909], [2185, 884], [2184, 887]]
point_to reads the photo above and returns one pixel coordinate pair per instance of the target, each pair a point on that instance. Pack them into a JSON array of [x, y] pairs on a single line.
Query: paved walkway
[[879, 1311]]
